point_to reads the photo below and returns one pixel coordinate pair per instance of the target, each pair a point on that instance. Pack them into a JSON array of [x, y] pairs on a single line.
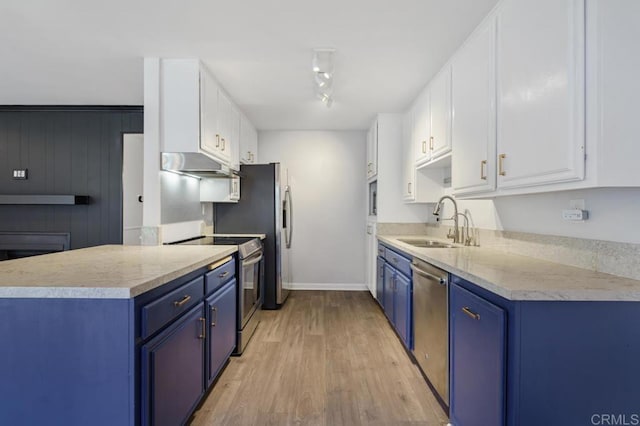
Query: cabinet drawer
[[158, 313], [398, 261], [381, 250], [220, 275]]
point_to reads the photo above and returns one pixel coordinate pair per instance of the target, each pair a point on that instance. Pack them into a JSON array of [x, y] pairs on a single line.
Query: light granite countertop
[[517, 277], [103, 272]]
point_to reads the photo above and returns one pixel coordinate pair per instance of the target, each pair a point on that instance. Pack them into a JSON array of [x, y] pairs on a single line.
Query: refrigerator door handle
[[288, 216]]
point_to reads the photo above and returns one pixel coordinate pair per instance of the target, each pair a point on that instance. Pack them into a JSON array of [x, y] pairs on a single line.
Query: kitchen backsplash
[[603, 256]]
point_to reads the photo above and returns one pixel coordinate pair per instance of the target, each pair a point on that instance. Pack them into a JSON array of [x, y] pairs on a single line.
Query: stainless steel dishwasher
[[431, 325]]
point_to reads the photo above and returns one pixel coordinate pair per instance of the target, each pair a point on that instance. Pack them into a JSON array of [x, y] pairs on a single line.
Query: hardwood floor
[[326, 358]]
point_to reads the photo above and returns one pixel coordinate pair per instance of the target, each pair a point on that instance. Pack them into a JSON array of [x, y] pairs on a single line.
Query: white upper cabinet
[[209, 142], [197, 116], [248, 142], [421, 134], [473, 132], [372, 151], [234, 139], [540, 99], [408, 162], [225, 126], [440, 110]]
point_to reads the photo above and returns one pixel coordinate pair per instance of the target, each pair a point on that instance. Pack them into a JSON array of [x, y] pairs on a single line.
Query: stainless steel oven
[[251, 277]]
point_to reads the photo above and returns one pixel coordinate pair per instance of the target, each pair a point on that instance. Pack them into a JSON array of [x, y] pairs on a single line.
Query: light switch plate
[[20, 174]]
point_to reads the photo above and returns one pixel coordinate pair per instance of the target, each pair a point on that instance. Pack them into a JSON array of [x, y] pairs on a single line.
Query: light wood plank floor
[[326, 358]]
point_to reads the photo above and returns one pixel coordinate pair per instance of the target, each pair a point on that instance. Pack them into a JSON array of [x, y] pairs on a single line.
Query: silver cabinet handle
[[217, 141], [214, 314], [181, 302], [204, 330], [472, 314], [224, 144], [431, 143], [424, 147], [483, 173], [409, 188], [501, 158], [224, 274]]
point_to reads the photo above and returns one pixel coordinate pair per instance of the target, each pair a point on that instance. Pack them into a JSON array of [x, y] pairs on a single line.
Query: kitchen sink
[[427, 243]]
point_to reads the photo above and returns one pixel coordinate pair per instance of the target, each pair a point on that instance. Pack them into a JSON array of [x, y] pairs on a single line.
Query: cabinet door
[[209, 142], [389, 291], [408, 162], [380, 280], [402, 308], [540, 69], [224, 126], [234, 139], [247, 145], [422, 128], [440, 110], [221, 317], [372, 151], [173, 371], [477, 345], [474, 116]]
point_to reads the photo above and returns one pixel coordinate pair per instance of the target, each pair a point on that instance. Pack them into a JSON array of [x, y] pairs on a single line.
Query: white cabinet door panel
[[473, 130], [540, 70], [440, 108]]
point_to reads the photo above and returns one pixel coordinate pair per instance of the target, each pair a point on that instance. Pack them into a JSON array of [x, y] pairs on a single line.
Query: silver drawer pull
[[184, 300], [224, 274], [214, 313], [204, 330], [472, 314]]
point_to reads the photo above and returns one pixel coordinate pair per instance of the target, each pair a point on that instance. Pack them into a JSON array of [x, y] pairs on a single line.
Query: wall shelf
[[44, 199]]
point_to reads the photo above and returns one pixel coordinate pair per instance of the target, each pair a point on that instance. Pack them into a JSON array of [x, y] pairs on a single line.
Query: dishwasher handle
[[425, 274]]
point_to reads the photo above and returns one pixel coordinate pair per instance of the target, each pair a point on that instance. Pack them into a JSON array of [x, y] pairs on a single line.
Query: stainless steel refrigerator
[[265, 207]]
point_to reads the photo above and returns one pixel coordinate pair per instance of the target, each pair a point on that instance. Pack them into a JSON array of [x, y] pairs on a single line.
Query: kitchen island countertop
[[517, 277], [103, 272]]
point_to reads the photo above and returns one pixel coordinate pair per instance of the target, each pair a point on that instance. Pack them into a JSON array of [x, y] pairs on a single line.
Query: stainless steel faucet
[[436, 212]]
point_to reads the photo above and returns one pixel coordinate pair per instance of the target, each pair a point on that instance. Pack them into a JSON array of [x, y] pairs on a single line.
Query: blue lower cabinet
[[389, 291], [380, 280], [173, 370], [478, 365], [221, 317], [402, 308], [396, 293]]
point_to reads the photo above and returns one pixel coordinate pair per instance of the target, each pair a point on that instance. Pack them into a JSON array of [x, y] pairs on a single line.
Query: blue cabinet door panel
[[477, 354], [380, 280], [389, 291], [402, 308], [173, 371], [221, 317]]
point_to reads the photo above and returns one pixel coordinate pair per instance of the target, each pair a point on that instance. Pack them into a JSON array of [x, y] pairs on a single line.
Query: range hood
[[194, 164]]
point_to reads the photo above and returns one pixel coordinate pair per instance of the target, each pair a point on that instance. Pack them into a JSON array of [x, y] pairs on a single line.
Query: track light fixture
[[322, 66]]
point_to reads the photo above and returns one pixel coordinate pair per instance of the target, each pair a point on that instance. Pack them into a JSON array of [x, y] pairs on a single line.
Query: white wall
[[327, 177], [614, 214]]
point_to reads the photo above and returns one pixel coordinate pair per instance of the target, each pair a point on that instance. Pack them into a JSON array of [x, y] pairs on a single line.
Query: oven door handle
[[252, 261]]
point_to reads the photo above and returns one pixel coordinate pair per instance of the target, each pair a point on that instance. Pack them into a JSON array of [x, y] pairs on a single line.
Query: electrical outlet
[[20, 174], [575, 215]]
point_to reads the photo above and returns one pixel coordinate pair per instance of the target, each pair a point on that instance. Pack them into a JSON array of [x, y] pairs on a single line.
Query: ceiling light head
[[322, 66], [323, 61]]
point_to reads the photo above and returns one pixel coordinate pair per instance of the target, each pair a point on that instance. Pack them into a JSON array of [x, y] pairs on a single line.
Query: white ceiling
[[86, 52]]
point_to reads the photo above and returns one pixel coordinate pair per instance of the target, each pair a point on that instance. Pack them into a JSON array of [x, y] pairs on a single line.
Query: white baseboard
[[329, 286]]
